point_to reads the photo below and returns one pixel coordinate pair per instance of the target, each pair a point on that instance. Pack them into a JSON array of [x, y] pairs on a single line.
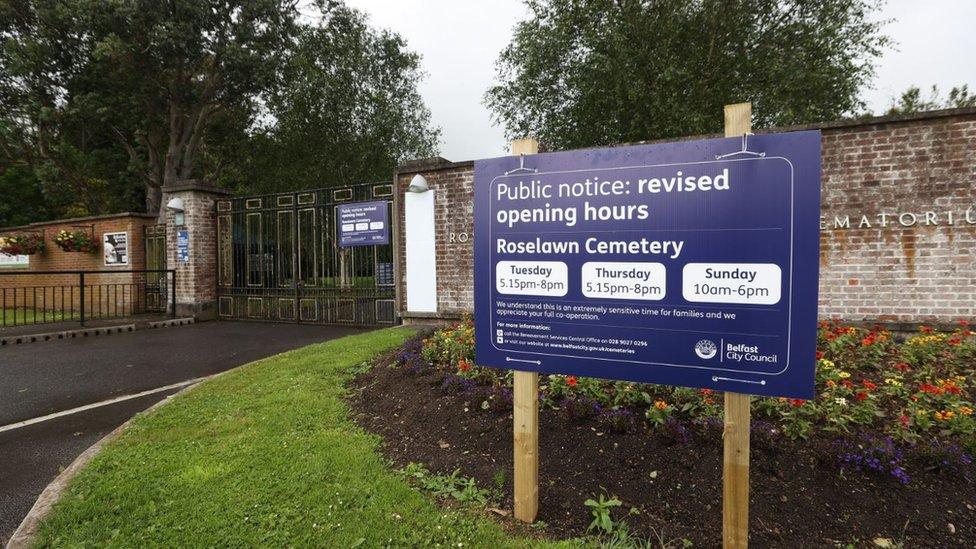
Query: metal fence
[[45, 297]]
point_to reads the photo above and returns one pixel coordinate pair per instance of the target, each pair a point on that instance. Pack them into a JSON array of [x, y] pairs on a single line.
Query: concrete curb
[[92, 332], [26, 533]]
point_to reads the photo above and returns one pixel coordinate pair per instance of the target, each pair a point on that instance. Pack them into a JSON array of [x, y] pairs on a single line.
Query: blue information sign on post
[[183, 245], [691, 263], [363, 224]]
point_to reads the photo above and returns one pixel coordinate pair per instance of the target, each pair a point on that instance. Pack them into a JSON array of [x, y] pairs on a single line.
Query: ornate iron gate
[[279, 260], [157, 282]]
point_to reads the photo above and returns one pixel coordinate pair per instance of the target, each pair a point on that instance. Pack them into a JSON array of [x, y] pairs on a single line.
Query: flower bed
[[75, 241], [866, 380], [22, 244], [883, 451]]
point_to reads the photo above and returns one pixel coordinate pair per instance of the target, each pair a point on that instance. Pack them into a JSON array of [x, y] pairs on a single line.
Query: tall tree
[[911, 100], [580, 73], [154, 73], [346, 109]]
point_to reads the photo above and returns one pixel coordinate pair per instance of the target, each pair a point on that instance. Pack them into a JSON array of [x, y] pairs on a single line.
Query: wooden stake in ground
[[735, 477], [525, 397]]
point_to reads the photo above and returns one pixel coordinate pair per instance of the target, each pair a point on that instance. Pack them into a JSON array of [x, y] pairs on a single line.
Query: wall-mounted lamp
[[175, 205], [418, 184]]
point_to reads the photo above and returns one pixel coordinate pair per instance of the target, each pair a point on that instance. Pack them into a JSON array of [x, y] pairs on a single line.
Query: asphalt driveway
[[44, 378]]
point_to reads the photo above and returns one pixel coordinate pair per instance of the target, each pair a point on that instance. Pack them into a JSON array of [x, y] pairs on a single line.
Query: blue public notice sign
[[674, 263], [183, 245], [363, 224]]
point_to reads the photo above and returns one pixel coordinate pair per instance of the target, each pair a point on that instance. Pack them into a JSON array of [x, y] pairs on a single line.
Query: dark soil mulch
[[799, 497]]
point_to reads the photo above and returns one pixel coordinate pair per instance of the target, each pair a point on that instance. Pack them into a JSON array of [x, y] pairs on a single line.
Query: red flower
[[868, 341], [930, 389], [925, 329], [951, 388], [572, 381], [847, 383], [709, 401], [868, 385], [954, 341], [964, 323], [797, 402], [820, 355], [464, 365], [861, 395], [707, 391], [902, 367], [904, 421]]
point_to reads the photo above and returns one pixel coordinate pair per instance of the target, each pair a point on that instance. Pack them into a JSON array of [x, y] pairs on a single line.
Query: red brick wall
[[922, 165], [196, 280], [453, 215], [910, 176], [56, 292]]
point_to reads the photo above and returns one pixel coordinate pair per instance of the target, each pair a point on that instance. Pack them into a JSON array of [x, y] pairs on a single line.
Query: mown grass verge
[[262, 456]]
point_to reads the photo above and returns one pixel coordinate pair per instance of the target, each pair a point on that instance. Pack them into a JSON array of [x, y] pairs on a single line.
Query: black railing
[[45, 297]]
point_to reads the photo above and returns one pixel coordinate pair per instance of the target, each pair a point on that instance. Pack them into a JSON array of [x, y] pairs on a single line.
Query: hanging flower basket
[[22, 244], [75, 241]]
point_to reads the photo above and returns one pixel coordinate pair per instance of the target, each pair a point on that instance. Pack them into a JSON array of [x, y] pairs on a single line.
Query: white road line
[[108, 402]]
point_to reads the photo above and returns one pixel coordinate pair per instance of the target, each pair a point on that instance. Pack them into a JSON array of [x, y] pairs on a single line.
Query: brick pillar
[[196, 279]]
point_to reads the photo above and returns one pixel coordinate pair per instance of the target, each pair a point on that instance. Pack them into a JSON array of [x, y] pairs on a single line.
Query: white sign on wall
[[14, 260], [115, 248]]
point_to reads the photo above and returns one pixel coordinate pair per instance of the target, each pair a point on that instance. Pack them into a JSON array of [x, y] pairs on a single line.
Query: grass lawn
[[262, 456], [11, 317]]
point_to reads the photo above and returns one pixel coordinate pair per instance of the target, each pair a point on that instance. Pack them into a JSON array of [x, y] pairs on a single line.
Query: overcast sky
[[460, 40]]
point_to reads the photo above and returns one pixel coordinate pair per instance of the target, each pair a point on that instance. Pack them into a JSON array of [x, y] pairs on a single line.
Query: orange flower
[[572, 381], [944, 415], [464, 365], [796, 402], [660, 405], [831, 383]]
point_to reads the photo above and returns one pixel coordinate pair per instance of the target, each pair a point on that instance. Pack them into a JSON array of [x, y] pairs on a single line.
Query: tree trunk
[[154, 198]]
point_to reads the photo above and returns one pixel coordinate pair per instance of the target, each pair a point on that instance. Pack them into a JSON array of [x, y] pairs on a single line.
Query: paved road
[[43, 378]]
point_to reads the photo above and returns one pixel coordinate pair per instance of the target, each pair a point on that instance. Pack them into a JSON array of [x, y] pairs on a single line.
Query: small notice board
[[363, 224]]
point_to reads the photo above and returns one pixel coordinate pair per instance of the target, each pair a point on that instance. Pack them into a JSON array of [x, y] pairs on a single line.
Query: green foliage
[[346, 109], [23, 198], [463, 489], [600, 509], [106, 102], [911, 100], [621, 538], [582, 73]]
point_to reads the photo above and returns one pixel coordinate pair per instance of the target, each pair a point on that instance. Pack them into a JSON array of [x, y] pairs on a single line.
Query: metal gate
[[279, 260], [157, 291]]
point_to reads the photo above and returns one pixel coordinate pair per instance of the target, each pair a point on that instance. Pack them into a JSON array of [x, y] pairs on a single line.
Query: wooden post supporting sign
[[525, 398], [735, 475]]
